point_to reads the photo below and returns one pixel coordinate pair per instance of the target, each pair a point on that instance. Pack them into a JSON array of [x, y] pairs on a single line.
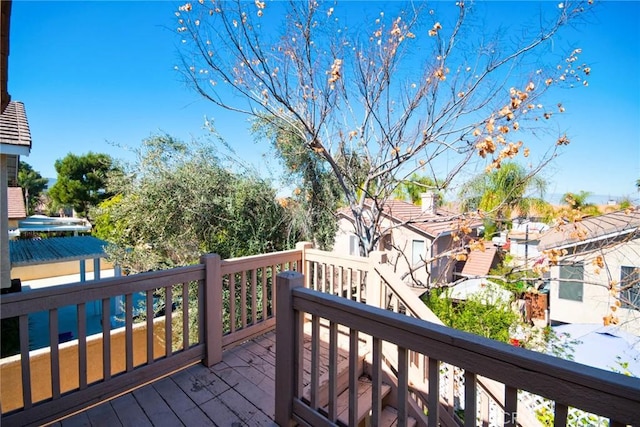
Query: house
[[523, 239], [416, 238], [595, 270], [15, 141], [16, 209]]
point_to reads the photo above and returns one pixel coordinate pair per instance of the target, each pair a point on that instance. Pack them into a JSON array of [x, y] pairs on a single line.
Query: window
[[571, 282], [354, 245], [417, 252], [630, 287]]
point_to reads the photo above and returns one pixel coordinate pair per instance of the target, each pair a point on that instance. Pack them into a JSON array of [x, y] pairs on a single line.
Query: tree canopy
[[176, 202], [81, 181], [406, 89], [32, 183], [503, 192]]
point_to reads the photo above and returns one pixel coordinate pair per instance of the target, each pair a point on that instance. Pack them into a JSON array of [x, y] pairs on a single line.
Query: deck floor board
[[239, 391]]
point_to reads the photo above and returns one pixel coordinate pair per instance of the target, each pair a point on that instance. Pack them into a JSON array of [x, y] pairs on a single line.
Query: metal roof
[[55, 249]]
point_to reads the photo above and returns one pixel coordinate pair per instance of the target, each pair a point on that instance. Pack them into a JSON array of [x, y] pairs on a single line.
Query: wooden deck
[[239, 391]]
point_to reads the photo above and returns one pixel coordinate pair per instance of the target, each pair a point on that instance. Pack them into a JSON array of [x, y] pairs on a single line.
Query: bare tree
[[397, 92]]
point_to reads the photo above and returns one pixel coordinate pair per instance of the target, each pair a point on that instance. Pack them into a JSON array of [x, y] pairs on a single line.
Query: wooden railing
[[397, 297], [568, 384], [234, 300]]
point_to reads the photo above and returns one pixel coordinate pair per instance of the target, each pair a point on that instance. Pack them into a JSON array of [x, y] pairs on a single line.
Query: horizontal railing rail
[[213, 305], [42, 385], [567, 383], [490, 399]]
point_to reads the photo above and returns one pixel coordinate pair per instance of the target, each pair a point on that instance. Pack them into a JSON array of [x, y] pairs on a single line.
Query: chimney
[[429, 202]]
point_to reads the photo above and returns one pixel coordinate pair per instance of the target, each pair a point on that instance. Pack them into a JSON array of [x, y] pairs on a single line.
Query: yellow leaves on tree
[[335, 72]]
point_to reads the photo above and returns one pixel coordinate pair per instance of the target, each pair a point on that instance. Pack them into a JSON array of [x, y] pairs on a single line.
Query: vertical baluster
[[254, 296], [24, 361], [82, 345], [403, 386], [150, 316], [55, 353], [243, 299], [315, 360], [274, 273], [510, 405], [340, 279], [106, 339], [201, 311], [359, 280], [353, 376], [376, 383], [470, 400], [484, 409], [185, 316], [265, 293], [315, 286], [128, 319], [333, 371], [350, 283], [434, 392], [168, 322], [560, 415], [323, 274], [232, 302]]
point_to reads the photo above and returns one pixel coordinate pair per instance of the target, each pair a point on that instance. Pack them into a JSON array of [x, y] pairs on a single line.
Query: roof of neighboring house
[[442, 222], [15, 203], [55, 249], [479, 262], [592, 228], [14, 127]]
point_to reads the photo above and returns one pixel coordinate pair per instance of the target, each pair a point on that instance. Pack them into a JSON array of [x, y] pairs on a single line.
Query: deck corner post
[[213, 308], [302, 247], [286, 346], [374, 285]]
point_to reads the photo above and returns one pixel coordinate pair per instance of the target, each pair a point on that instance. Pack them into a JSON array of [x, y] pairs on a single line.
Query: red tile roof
[[442, 222], [478, 262], [15, 203]]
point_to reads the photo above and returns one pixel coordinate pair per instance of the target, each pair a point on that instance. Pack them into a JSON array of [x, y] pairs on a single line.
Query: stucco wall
[[11, 371], [597, 299], [43, 271]]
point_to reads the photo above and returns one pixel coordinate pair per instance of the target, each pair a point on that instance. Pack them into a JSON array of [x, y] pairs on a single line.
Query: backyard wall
[[43, 271], [11, 371]]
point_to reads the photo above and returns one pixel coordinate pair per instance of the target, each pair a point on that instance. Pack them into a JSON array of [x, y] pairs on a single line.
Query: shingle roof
[[15, 203], [403, 212], [597, 227], [14, 127], [55, 249], [479, 262]]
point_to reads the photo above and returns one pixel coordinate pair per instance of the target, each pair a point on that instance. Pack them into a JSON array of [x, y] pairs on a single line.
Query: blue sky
[[94, 73]]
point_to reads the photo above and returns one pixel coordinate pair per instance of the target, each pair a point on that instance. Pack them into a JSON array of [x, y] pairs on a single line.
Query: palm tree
[[414, 186], [504, 192], [578, 201]]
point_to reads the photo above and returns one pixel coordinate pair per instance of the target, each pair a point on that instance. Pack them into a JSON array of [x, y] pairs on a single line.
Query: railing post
[[302, 247], [286, 346], [374, 281], [212, 308]]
